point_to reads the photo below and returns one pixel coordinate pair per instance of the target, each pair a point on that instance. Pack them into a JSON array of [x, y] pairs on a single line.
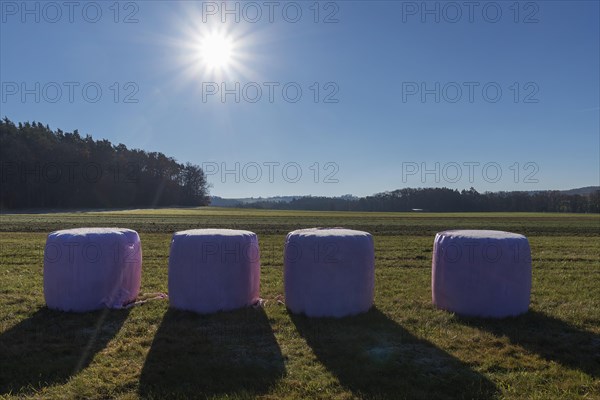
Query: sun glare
[[216, 51], [213, 51]]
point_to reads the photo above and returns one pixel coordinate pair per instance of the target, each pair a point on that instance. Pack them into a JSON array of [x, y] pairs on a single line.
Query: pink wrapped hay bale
[[87, 269], [329, 272], [214, 270], [481, 273]]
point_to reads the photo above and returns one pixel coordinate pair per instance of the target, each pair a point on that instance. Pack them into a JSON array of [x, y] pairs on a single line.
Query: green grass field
[[402, 348]]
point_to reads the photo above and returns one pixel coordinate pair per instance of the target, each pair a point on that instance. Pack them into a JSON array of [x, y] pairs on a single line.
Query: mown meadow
[[402, 348]]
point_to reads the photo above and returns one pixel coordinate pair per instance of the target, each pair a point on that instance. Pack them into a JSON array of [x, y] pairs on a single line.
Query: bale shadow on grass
[[549, 337], [50, 347], [374, 357], [198, 356]]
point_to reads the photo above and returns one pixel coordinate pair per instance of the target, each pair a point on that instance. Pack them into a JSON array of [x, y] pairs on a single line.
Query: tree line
[[41, 168], [446, 200]]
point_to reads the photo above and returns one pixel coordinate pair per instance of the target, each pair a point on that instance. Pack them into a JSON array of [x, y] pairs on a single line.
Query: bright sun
[[216, 51]]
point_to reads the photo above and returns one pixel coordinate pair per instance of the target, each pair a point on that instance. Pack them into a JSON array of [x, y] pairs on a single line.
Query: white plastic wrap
[[481, 273], [91, 268], [329, 272], [214, 270]]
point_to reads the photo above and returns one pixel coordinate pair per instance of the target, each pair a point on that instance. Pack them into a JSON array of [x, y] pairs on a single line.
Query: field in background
[[402, 348]]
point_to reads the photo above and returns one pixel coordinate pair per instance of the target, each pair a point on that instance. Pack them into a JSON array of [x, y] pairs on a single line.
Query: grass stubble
[[402, 348]]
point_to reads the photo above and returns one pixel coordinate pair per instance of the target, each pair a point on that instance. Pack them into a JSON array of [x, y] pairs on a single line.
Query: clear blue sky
[[378, 57]]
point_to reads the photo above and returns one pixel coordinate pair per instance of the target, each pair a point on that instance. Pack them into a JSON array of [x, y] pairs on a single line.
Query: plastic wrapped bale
[[329, 272], [214, 270], [481, 273], [87, 269]]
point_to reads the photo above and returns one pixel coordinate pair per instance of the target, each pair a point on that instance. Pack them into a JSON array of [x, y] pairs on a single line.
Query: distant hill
[[584, 191], [217, 201], [434, 200]]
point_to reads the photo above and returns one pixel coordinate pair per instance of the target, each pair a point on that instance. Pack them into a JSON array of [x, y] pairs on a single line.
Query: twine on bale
[[262, 303], [144, 298]]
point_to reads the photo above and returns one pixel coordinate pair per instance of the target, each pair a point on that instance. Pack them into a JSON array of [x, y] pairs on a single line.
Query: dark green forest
[[41, 168]]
